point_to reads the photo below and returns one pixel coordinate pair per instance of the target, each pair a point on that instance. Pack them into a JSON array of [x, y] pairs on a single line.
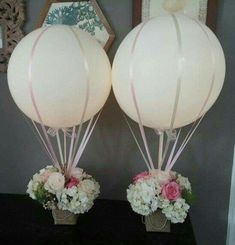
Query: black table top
[[24, 221]]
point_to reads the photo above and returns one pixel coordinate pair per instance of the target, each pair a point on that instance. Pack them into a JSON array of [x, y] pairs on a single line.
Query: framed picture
[[86, 14], [2, 35], [12, 17], [203, 10]]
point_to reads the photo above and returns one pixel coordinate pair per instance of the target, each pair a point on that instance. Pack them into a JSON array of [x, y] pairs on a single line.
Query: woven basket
[[64, 217], [157, 222]]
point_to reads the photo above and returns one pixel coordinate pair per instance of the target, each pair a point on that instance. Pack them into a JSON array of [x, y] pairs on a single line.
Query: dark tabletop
[[24, 221]]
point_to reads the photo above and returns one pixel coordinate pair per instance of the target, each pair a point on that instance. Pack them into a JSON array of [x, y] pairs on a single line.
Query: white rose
[[36, 178], [88, 186], [78, 173], [55, 183], [30, 190]]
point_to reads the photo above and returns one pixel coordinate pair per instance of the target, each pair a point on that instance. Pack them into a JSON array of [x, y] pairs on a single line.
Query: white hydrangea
[[163, 203], [184, 182], [142, 196], [79, 199], [176, 212]]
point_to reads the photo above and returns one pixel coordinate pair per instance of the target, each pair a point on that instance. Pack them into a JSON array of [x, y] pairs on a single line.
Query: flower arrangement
[[165, 190], [53, 190]]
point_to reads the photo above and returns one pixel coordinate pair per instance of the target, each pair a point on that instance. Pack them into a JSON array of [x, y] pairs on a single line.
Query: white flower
[[80, 174], [161, 177], [77, 173], [145, 196], [31, 188], [78, 199], [49, 167], [36, 178], [71, 191], [184, 182], [154, 204], [55, 183], [87, 186], [176, 212]]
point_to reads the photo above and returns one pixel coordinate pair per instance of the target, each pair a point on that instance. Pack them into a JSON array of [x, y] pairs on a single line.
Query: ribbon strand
[[84, 141], [197, 123], [30, 82], [131, 80], [137, 143]]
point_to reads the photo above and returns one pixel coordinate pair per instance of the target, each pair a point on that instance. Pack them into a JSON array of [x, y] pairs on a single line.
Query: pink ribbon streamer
[[72, 161], [137, 142], [42, 140], [30, 81], [173, 150], [131, 75], [172, 159], [178, 89], [84, 142], [196, 123], [38, 136], [86, 100]]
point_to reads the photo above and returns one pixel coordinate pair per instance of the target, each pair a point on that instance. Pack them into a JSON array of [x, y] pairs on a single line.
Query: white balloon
[[156, 68], [59, 76]]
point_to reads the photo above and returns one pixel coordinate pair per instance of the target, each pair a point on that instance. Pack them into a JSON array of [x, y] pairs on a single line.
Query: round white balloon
[[156, 68], [59, 76]]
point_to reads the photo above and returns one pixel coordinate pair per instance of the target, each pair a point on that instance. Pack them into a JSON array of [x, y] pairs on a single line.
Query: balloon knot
[[173, 6]]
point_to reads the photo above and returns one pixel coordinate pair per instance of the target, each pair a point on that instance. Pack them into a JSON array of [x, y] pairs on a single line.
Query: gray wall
[[112, 156]]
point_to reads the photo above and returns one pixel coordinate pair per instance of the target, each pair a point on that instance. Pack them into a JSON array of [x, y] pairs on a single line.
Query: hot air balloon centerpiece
[[167, 73], [59, 77]]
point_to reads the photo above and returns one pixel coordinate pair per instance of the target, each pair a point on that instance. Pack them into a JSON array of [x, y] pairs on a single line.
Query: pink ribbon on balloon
[[172, 159], [49, 146], [131, 75], [200, 116], [74, 157]]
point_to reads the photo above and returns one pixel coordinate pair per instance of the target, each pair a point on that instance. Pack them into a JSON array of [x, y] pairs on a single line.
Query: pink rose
[[142, 175], [171, 191], [72, 182]]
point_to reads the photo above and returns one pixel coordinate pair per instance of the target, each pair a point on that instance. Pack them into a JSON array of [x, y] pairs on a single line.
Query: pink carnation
[[72, 182], [171, 191], [44, 177], [142, 175]]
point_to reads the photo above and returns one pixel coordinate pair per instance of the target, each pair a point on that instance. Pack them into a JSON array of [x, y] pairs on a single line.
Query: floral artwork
[[168, 191], [81, 14], [76, 194]]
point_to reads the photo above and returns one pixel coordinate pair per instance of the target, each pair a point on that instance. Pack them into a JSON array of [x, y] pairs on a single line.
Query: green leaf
[[42, 195], [188, 196]]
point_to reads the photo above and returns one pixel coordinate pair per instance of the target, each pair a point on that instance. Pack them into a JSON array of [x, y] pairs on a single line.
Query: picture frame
[[12, 18], [71, 12], [139, 6], [2, 35]]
